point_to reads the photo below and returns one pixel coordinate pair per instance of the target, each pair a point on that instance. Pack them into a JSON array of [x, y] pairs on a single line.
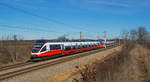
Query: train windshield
[[37, 47]]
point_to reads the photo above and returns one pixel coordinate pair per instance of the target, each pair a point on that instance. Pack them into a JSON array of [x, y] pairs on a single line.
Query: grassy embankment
[[129, 65]]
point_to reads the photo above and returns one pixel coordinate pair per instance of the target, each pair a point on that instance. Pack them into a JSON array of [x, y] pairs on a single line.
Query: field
[[12, 52]]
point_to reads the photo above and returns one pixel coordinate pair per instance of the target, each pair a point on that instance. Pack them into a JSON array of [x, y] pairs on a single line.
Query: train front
[[36, 48]]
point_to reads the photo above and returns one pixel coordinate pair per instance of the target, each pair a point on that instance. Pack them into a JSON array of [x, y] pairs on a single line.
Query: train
[[43, 49]]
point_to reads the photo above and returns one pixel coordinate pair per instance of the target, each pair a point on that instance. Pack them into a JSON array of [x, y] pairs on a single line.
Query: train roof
[[41, 41], [72, 43]]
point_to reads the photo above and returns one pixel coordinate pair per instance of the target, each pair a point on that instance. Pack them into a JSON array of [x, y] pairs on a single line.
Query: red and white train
[[43, 48]]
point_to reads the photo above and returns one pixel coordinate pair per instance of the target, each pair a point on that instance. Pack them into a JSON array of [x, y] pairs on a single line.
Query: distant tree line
[[140, 35]]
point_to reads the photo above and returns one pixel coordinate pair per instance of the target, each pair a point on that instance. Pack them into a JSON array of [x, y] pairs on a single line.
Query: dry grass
[[130, 65], [13, 52]]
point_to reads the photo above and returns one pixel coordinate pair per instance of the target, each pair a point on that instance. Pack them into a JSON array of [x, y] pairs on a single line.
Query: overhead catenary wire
[[13, 29], [16, 28], [25, 28], [26, 31], [41, 17]]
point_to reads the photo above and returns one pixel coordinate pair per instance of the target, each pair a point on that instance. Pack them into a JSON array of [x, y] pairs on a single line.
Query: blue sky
[[91, 17]]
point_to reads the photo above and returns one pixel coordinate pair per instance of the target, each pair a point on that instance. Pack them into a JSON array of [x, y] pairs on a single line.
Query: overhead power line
[[28, 29], [24, 29], [42, 17]]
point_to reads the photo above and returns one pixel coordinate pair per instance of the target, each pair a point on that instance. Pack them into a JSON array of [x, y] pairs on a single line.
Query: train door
[[62, 47]]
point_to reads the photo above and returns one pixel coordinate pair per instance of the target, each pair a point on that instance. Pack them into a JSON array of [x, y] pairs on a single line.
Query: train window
[[55, 47], [84, 46], [43, 49], [36, 47], [58, 47], [68, 47], [87, 45], [79, 46], [73, 47]]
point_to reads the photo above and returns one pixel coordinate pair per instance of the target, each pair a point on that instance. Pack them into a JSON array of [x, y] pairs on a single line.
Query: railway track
[[40, 66], [15, 66]]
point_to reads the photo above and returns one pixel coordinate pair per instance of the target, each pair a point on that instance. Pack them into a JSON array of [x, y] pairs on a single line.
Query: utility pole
[[119, 39], [15, 41], [98, 36], [80, 36], [105, 39]]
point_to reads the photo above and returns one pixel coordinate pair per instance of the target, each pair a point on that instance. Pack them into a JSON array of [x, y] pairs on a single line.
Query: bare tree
[[142, 35], [125, 36], [11, 47], [62, 38], [129, 38], [133, 35], [15, 37]]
